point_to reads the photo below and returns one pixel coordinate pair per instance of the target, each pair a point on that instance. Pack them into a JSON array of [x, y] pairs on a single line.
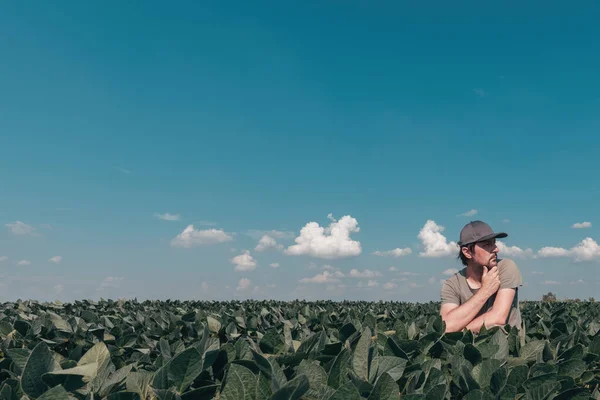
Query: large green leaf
[[338, 374], [360, 357], [317, 377], [293, 390], [478, 395], [532, 350], [540, 387], [184, 368], [56, 393], [385, 389], [40, 362], [240, 384], [393, 366], [347, 391]]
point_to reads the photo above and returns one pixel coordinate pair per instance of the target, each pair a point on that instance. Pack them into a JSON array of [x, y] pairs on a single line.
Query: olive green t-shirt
[[456, 290]]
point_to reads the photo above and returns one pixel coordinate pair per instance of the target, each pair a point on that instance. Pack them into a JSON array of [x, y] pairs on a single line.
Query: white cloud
[[390, 286], [408, 273], [331, 242], [398, 252], [3, 258], [585, 250], [244, 262], [434, 242], [479, 92], [450, 271], [552, 252], [506, 220], [267, 242], [325, 277], [536, 273], [469, 213], [243, 284], [59, 288], [582, 225], [20, 228], [328, 267], [168, 217], [24, 262], [392, 268], [56, 259], [367, 273], [257, 234], [191, 237], [579, 282], [550, 283], [204, 286], [432, 280], [274, 265], [372, 283], [513, 251], [414, 285], [113, 282], [124, 170]]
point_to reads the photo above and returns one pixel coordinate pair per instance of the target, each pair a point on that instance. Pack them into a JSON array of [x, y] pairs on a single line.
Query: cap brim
[[495, 235]]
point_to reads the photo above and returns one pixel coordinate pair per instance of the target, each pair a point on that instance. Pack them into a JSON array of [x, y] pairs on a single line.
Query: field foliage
[[291, 350]]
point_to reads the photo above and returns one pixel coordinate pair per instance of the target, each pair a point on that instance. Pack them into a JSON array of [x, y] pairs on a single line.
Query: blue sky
[[241, 121]]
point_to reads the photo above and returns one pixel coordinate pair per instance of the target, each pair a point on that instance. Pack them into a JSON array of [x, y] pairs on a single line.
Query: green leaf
[[574, 394], [518, 375], [293, 390], [573, 368], [532, 349], [484, 371], [498, 380], [385, 389], [56, 393], [500, 339], [338, 374], [393, 366], [347, 391], [213, 325], [6, 393], [40, 362], [240, 384], [317, 377], [472, 354], [123, 396], [184, 368], [19, 357], [478, 394], [263, 387], [360, 357], [508, 393], [139, 382], [540, 387], [437, 392], [595, 346]]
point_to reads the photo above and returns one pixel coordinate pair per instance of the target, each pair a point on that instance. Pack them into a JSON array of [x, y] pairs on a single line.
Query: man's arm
[[498, 314], [458, 317]]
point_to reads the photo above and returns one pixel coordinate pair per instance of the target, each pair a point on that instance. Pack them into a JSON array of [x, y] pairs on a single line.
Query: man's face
[[485, 253]]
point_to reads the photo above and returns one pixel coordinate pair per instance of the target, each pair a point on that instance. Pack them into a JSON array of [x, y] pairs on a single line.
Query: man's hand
[[490, 281]]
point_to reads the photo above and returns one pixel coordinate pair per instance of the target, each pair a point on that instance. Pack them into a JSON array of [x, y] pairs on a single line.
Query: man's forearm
[[460, 317], [489, 319]]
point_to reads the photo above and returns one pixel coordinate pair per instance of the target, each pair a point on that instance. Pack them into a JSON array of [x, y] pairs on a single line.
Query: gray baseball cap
[[478, 231]]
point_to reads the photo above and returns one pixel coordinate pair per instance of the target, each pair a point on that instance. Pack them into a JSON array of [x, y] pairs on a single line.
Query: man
[[485, 292]]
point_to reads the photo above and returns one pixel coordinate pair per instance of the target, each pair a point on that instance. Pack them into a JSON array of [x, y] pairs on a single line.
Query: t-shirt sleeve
[[510, 276], [449, 294]]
